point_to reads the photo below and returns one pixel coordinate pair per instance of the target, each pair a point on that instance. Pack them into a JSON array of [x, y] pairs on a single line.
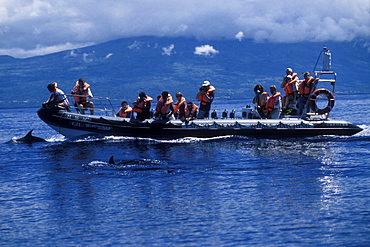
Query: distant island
[[120, 69]]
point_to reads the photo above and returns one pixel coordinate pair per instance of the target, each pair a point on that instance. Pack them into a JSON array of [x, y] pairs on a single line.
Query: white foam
[[365, 131]]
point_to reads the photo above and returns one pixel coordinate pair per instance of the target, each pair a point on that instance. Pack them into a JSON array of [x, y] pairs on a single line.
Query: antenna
[[324, 49]]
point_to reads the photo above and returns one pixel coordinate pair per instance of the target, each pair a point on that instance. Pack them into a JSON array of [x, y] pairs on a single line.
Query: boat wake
[[56, 138], [113, 139], [361, 136], [365, 132]]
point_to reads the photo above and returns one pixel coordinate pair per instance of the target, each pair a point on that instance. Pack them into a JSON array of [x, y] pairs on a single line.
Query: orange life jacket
[[141, 103], [178, 104], [270, 105], [289, 87], [124, 113], [163, 107], [263, 100], [190, 111], [304, 88], [81, 91], [203, 99]]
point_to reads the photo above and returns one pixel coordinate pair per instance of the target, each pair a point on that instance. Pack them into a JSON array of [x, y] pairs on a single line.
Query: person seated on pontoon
[[190, 111], [142, 106], [164, 109], [125, 110], [179, 106], [273, 105], [83, 92], [260, 99], [57, 100]]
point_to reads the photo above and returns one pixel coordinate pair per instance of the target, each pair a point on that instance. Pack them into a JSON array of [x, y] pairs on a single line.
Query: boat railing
[[326, 77], [102, 105]]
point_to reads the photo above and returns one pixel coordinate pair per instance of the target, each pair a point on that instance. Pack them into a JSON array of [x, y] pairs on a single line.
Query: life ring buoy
[[312, 101]]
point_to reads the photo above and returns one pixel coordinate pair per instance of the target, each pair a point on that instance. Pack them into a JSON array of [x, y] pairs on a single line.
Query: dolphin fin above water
[[145, 168], [29, 138], [112, 162]]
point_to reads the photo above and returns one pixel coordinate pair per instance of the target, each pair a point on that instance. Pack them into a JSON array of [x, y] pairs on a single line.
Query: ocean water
[[223, 191]]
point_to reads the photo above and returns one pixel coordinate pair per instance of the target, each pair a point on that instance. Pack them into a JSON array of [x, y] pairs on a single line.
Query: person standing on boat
[[179, 106], [142, 106], [290, 88], [304, 90], [289, 71], [260, 99], [164, 108], [273, 105], [83, 92], [57, 99], [205, 96], [125, 110]]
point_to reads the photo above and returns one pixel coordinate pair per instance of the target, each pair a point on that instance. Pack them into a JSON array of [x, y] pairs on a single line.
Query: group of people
[[166, 108], [269, 105], [58, 99], [296, 93]]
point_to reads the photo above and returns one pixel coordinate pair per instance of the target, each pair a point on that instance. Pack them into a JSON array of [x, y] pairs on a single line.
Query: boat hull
[[74, 125]]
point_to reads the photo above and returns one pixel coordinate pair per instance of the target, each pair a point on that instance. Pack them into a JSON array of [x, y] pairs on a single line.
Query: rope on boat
[[258, 125]]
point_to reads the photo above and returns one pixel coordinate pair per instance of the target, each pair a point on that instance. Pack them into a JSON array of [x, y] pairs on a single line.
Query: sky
[[37, 27]]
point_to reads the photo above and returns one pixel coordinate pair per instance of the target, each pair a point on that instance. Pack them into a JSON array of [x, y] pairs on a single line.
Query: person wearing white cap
[[288, 72], [205, 96]]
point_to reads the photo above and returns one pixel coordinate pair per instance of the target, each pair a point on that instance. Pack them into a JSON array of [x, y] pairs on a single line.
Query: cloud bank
[[33, 27]]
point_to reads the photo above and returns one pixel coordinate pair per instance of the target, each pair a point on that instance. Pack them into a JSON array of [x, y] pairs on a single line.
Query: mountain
[[120, 69]]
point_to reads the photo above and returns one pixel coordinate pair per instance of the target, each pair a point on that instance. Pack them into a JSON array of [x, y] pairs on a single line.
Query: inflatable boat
[[314, 121]]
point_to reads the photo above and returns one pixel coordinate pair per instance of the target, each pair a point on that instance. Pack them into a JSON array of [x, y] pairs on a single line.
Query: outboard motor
[[232, 114], [246, 111], [224, 114], [214, 114]]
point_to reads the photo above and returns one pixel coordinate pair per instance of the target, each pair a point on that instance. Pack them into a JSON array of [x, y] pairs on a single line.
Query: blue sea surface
[[223, 191]]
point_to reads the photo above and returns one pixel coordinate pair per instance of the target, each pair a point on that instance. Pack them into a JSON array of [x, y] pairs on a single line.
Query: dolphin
[[112, 162], [29, 138]]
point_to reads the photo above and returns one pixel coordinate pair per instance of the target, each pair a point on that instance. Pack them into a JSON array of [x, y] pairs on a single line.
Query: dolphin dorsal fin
[[29, 133], [111, 160]]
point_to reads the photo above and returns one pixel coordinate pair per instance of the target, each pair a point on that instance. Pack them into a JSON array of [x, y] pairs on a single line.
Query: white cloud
[[168, 50], [136, 45], [205, 50], [88, 57], [71, 54], [108, 55], [29, 28], [42, 50], [239, 36]]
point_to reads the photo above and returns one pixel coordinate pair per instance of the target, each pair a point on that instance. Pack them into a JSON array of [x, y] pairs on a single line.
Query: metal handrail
[[102, 106]]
